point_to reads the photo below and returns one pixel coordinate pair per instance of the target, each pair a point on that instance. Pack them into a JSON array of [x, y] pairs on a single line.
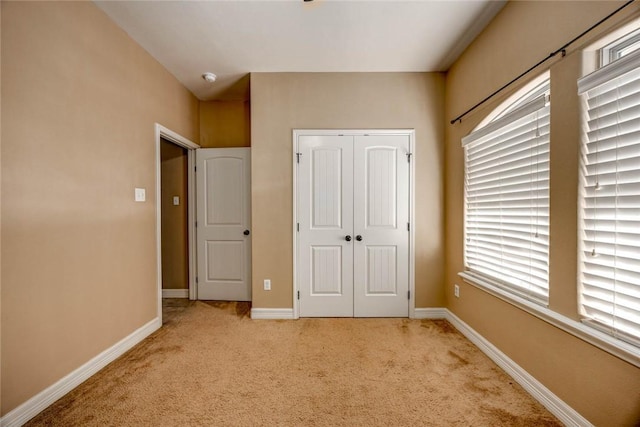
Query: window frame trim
[[610, 52], [609, 72], [579, 329]]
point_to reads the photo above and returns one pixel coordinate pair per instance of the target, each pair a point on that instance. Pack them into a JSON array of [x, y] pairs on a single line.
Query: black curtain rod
[[551, 55]]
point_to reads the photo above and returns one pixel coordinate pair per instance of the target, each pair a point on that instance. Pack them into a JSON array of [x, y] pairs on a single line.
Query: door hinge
[[408, 294], [409, 157], [196, 224], [298, 294], [195, 169], [196, 279], [298, 155], [408, 227], [298, 227]]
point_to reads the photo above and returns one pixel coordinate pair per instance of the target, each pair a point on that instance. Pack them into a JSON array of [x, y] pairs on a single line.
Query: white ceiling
[[234, 38]]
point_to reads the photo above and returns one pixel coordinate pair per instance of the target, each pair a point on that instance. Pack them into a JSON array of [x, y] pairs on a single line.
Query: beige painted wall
[[225, 124], [601, 387], [0, 211], [175, 236], [281, 102], [79, 103]]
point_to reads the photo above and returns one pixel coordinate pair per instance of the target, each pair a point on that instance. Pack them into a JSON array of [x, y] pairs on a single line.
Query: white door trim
[[169, 135], [412, 149]]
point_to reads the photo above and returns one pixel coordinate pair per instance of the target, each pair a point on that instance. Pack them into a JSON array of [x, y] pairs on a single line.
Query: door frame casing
[[296, 133], [175, 138]]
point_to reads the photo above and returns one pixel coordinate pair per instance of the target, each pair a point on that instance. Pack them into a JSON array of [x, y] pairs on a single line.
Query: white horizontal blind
[[610, 267], [507, 201]]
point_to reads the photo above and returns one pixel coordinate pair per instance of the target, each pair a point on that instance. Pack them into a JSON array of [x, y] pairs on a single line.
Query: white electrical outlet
[[456, 290], [267, 284]]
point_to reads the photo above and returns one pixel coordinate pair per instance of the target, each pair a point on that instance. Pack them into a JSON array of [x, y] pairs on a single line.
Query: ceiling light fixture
[[209, 77]]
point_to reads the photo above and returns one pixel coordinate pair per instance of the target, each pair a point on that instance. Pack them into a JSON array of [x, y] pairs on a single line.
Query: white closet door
[[381, 218], [325, 216], [223, 187]]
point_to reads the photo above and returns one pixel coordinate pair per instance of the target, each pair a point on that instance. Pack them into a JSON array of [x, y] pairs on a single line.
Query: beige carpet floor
[[212, 365]]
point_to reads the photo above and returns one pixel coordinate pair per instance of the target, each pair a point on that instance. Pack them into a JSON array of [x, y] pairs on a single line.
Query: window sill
[[627, 352]]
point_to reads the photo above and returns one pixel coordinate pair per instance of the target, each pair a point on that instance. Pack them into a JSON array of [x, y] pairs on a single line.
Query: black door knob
[[347, 238], [246, 232], [359, 238]]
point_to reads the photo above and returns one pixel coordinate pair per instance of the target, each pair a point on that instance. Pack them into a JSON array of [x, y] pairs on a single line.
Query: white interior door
[[353, 216], [223, 187], [325, 258], [381, 226]]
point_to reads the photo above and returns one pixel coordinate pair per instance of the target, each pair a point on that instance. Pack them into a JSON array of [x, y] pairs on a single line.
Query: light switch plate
[[140, 195], [176, 200]]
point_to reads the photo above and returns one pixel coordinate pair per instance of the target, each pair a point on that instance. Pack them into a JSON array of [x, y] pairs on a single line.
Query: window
[[620, 48], [610, 198], [507, 198]]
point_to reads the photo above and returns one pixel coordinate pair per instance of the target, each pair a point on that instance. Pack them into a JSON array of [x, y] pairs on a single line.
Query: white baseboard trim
[[555, 405], [430, 313], [42, 400], [175, 293], [272, 313]]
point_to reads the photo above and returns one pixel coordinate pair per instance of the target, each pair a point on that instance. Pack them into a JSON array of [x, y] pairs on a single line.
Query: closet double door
[[353, 225]]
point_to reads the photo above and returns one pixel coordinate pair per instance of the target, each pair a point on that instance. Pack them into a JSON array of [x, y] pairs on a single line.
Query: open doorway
[[175, 252], [174, 199]]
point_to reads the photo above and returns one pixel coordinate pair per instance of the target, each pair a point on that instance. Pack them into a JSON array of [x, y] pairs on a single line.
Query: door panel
[[325, 215], [380, 187], [381, 216], [381, 271], [326, 270], [225, 260], [223, 183], [326, 182]]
